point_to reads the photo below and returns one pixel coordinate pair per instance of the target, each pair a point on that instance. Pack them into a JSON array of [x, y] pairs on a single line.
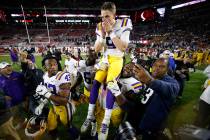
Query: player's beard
[[54, 72]]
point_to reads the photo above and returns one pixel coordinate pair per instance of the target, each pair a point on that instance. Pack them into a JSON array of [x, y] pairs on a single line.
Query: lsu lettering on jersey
[[86, 72], [53, 83], [122, 30]]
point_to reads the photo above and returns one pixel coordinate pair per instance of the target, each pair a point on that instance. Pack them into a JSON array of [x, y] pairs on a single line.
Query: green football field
[[181, 114]]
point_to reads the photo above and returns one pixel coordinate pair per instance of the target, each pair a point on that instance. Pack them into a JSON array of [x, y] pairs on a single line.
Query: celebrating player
[[56, 88], [113, 38]]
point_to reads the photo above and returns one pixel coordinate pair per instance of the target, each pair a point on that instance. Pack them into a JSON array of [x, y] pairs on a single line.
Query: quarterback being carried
[[112, 40]]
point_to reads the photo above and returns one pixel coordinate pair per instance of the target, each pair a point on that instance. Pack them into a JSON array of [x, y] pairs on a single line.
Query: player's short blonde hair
[[109, 6]]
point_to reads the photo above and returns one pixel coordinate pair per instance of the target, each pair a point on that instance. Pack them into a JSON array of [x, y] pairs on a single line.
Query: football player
[[87, 70], [113, 38], [71, 65], [56, 88]]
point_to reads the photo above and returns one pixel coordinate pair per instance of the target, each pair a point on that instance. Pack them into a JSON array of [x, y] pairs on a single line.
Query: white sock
[[107, 116], [91, 109]]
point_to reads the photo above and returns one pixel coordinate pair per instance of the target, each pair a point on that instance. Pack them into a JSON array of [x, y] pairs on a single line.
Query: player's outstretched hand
[[141, 74]]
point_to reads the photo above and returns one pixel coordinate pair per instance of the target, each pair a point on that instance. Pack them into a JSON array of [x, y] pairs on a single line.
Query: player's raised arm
[[100, 38]]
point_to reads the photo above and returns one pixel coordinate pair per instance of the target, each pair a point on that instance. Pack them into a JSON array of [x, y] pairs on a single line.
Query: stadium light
[[161, 11], [69, 15], [124, 16], [187, 4]]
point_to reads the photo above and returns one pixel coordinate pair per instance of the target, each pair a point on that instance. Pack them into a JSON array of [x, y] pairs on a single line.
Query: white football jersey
[[86, 72], [71, 65], [130, 84], [122, 30], [53, 83]]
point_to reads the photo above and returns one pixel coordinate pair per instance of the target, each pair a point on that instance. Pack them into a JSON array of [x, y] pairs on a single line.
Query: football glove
[[43, 91], [38, 109], [114, 88]]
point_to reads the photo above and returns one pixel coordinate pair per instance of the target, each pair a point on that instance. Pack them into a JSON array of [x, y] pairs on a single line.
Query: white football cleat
[[94, 128], [103, 132], [86, 124]]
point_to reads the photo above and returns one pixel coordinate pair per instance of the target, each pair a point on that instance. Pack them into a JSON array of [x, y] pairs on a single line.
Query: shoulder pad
[[63, 77], [126, 24]]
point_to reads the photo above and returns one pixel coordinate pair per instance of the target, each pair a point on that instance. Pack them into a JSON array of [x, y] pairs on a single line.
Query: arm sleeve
[[98, 32], [125, 37], [165, 88], [126, 31]]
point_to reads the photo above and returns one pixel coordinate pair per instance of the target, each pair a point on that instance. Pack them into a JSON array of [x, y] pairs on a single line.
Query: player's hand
[[141, 74], [107, 26], [127, 70], [114, 88], [101, 66], [43, 91]]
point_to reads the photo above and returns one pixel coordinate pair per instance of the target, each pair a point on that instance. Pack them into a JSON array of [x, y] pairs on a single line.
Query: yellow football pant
[[114, 70], [55, 113]]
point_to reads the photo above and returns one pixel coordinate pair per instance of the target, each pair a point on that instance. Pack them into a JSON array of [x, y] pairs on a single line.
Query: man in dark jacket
[[162, 92], [165, 90], [32, 78]]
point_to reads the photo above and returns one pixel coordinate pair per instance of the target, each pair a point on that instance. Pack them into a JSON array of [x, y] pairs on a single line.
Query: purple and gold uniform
[[62, 112], [113, 56]]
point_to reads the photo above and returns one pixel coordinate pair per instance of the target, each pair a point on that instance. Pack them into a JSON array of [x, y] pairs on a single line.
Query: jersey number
[[109, 43], [148, 93], [67, 77]]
